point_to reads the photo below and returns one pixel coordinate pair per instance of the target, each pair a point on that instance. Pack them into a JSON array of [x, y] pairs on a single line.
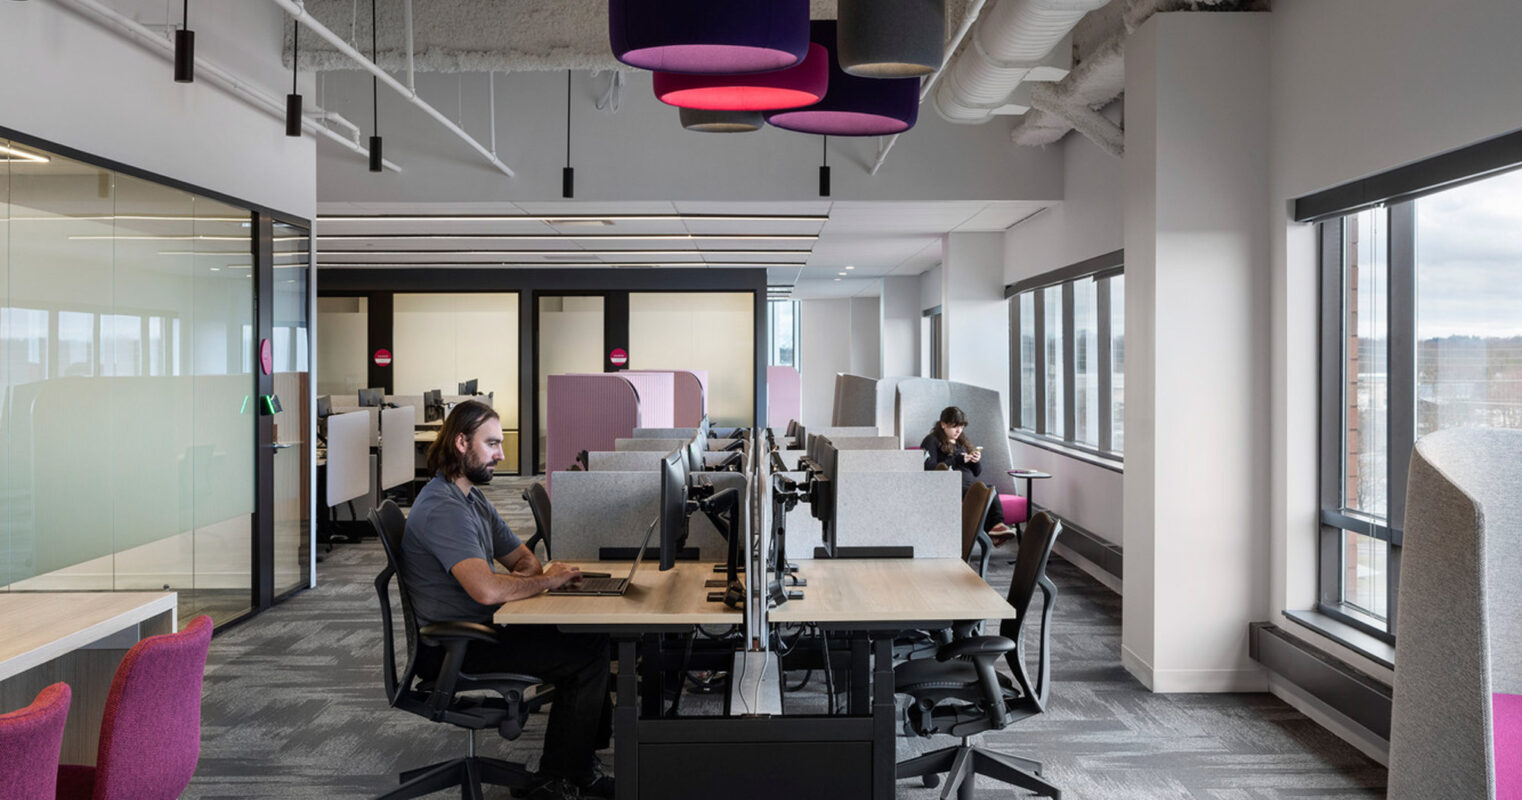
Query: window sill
[[1346, 635], [1112, 463]]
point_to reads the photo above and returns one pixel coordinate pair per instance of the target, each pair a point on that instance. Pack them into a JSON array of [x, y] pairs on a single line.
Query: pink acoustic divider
[[587, 412], [784, 397], [1506, 732], [657, 397], [690, 395]]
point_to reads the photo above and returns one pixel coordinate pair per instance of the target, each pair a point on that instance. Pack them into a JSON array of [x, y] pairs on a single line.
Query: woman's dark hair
[[465, 419], [951, 415]]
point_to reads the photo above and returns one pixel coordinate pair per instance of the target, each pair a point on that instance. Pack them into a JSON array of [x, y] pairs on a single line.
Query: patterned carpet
[[294, 709]]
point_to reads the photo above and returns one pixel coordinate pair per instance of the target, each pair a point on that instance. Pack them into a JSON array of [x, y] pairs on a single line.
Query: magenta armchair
[[150, 737], [29, 742]]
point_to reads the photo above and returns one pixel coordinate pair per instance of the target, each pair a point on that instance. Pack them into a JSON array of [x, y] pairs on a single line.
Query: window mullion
[[1069, 360], [1102, 365], [1039, 346], [1402, 359]]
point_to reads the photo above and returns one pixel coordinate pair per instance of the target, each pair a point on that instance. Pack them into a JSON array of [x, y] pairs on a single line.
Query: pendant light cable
[[376, 163], [568, 175]]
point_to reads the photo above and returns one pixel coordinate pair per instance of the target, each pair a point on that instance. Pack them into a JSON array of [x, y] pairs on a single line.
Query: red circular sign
[[383, 357], [266, 356], [619, 356]]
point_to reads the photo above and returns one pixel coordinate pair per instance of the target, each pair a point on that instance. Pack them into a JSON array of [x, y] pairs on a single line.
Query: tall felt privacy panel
[[1458, 647]]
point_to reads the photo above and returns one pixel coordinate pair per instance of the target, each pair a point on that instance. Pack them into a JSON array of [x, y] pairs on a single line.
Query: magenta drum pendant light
[[854, 106], [793, 87], [709, 36]]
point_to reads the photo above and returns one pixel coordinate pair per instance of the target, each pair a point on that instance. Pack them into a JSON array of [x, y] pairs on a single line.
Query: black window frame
[[1100, 269], [1395, 193]]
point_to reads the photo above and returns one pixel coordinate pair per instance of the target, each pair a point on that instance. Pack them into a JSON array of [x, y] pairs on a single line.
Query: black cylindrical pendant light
[[376, 164], [891, 38], [185, 49], [824, 169], [293, 100], [568, 175]]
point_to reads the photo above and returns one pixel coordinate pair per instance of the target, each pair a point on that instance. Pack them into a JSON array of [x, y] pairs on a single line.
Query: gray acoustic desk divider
[[663, 445], [665, 433], [869, 401], [866, 443], [593, 510], [413, 400], [348, 458], [625, 460], [397, 457], [849, 430], [373, 434], [883, 499]]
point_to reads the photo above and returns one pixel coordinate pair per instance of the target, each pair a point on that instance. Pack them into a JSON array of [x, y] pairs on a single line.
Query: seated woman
[[947, 447]]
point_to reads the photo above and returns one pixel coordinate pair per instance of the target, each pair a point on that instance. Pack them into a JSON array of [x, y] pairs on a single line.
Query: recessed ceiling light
[[841, 274], [837, 280], [564, 219], [598, 252], [848, 266], [12, 154]]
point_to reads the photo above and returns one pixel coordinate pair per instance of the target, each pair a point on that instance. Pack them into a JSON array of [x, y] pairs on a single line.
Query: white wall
[[975, 317], [1196, 241], [439, 340], [1359, 87], [83, 86], [866, 337], [824, 350], [1087, 223], [900, 338], [343, 348]]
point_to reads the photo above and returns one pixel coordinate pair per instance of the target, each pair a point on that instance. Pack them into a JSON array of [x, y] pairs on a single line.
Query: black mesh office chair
[[960, 693], [495, 701], [539, 502]]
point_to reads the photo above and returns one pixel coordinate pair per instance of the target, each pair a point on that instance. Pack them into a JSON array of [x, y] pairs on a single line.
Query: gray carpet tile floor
[[294, 709]]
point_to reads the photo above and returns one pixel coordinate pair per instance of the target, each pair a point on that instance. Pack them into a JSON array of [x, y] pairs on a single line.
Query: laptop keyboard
[[596, 585]]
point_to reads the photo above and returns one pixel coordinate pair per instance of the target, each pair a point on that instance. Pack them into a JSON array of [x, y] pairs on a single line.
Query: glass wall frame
[[132, 301]]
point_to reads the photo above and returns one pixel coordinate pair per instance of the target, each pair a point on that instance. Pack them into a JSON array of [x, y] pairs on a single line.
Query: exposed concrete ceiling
[[487, 35]]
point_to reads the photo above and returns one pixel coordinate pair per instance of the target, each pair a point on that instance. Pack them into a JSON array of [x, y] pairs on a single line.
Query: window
[[1421, 331], [1067, 343], [783, 321]]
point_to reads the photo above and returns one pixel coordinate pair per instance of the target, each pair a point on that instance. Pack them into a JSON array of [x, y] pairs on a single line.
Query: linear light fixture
[[12, 154], [615, 253], [394, 264], [150, 238], [568, 218], [596, 237]]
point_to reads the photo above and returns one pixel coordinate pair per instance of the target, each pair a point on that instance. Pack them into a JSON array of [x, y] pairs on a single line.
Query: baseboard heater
[[1340, 685]]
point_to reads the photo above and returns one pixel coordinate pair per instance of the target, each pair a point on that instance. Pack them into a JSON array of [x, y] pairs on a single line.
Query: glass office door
[[570, 332], [293, 434]]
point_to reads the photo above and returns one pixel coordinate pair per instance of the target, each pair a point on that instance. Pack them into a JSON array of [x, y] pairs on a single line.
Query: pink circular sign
[[266, 356], [383, 357], [619, 356]]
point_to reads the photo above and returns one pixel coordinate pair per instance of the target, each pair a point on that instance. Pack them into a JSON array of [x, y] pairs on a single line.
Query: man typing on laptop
[[452, 537]]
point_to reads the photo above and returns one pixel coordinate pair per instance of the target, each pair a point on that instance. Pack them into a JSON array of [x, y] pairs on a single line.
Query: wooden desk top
[[891, 590], [676, 597], [40, 626], [424, 437]]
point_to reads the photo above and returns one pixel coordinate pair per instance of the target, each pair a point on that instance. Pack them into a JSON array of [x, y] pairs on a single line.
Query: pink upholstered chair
[[29, 742], [150, 738]]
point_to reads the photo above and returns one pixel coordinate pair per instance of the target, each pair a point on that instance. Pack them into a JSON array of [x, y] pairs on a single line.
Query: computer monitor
[[324, 406], [469, 387], [371, 397], [433, 405], [694, 451], [673, 506]]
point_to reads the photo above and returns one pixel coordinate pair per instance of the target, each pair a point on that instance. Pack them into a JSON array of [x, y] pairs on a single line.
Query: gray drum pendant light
[[891, 38], [704, 121]]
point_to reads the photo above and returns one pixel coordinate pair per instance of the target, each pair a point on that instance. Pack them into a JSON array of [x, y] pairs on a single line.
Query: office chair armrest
[[468, 631], [991, 646]]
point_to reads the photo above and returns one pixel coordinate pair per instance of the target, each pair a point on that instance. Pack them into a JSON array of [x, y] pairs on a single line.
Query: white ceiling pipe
[[1009, 41], [240, 88], [973, 12], [297, 10]]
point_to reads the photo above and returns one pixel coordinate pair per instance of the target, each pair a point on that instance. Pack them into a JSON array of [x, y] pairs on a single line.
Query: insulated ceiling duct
[[1010, 40]]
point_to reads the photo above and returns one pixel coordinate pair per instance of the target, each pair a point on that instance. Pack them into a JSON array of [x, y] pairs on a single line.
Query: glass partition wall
[[128, 414]]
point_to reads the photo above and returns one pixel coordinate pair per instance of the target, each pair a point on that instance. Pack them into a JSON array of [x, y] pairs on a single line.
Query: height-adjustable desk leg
[[626, 724], [884, 719]]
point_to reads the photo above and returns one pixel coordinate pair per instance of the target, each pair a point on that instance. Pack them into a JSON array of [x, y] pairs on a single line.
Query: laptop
[[604, 587]]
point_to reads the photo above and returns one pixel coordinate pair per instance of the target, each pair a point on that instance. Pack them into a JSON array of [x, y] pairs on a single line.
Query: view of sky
[[1469, 259]]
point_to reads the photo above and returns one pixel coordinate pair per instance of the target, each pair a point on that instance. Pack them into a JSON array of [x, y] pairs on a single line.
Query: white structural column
[[1197, 440], [975, 316], [866, 337], [900, 337]]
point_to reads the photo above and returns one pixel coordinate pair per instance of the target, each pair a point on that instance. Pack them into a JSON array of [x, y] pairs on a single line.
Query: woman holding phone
[[947, 447]]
